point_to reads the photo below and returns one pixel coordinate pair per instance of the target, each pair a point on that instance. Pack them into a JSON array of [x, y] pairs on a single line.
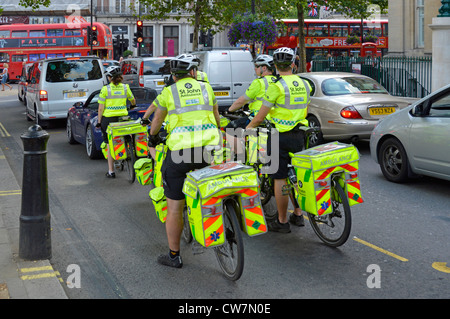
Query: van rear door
[[68, 81], [242, 75]]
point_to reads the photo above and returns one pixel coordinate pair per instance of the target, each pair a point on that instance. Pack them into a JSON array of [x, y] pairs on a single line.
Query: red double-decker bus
[[328, 36], [21, 43]]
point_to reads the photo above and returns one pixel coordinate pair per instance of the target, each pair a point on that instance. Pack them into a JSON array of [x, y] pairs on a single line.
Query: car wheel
[[91, 149], [69, 131], [393, 161], [316, 138]]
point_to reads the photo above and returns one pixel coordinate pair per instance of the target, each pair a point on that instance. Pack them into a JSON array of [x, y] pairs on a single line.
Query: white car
[[415, 140]]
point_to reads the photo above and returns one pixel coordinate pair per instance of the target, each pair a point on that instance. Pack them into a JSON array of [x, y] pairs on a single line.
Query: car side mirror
[[78, 105]]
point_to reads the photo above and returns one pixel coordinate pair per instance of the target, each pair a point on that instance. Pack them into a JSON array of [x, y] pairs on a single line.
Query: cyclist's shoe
[[276, 226], [111, 175], [297, 220], [166, 260]]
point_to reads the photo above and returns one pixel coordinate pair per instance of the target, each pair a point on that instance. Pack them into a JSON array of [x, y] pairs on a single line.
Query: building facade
[[409, 31], [169, 37]]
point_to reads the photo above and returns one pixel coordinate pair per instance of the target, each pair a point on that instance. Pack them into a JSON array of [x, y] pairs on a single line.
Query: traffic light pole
[[91, 52]]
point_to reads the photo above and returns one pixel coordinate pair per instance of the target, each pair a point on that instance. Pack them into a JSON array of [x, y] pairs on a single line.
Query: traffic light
[[209, 39], [202, 37], [89, 35], [140, 31], [94, 35]]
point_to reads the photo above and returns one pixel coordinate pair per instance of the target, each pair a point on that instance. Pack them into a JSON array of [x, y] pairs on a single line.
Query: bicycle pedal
[[197, 249], [286, 189]]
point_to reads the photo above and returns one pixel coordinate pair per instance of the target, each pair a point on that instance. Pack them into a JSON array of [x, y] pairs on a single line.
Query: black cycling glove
[[145, 121]]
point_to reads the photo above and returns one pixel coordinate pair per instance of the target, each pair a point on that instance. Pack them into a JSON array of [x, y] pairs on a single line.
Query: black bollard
[[34, 232]]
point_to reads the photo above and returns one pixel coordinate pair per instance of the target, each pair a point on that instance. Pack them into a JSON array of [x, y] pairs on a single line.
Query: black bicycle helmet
[[183, 63], [283, 56], [264, 59]]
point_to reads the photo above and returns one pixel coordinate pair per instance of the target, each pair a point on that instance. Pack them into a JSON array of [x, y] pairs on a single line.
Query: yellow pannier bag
[[205, 188], [160, 155], [116, 132], [159, 203], [103, 146], [314, 168], [143, 168], [140, 141], [257, 146]]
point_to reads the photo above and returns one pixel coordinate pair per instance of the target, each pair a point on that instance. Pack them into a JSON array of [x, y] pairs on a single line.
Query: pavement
[[19, 278]]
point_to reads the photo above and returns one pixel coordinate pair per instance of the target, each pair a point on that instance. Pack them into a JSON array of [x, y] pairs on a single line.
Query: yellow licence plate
[[381, 110], [74, 94], [221, 93], [160, 83]]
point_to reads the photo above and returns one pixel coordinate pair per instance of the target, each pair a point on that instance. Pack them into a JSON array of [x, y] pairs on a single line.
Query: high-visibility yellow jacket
[[191, 122], [114, 97], [288, 99]]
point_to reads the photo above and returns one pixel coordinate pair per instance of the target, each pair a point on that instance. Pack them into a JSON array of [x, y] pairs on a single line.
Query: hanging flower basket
[[248, 29], [370, 38], [352, 39]]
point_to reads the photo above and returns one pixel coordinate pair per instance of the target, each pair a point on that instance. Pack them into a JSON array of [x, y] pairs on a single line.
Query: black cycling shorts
[[104, 125], [291, 141], [174, 172]]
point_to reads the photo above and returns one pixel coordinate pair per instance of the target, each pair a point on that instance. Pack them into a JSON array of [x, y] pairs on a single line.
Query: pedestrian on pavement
[[112, 104], [5, 77], [286, 101]]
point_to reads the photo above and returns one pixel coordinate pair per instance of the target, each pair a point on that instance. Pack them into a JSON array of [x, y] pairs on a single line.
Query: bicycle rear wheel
[[334, 228], [131, 158], [231, 254]]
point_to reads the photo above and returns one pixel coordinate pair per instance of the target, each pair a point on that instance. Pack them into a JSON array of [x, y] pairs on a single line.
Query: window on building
[[420, 26], [121, 6], [171, 40], [147, 49]]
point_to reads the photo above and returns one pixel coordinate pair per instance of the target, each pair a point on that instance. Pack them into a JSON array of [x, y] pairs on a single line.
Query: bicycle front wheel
[[131, 158], [334, 228], [231, 254]]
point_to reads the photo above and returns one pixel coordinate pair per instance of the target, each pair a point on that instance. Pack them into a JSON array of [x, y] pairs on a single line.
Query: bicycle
[[127, 141], [226, 212]]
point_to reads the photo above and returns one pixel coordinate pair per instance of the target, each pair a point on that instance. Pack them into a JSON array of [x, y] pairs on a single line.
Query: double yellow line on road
[[39, 272], [3, 131], [11, 192]]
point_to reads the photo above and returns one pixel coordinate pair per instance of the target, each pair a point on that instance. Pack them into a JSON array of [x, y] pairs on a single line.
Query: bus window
[[4, 34], [318, 30], [385, 29], [37, 33], [293, 29], [19, 58], [338, 30], [355, 29], [35, 57], [19, 34], [55, 32], [4, 57], [73, 32]]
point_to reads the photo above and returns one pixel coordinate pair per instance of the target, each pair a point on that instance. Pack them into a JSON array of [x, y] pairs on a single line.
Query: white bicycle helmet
[[283, 56], [264, 59], [183, 63], [112, 70]]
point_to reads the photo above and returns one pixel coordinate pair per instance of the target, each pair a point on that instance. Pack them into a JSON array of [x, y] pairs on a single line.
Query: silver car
[[347, 106], [416, 140]]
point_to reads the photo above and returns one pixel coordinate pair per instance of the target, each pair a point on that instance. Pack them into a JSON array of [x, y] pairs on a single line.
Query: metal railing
[[399, 75]]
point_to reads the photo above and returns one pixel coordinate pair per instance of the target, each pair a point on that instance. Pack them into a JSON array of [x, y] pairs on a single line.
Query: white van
[[230, 72], [55, 84]]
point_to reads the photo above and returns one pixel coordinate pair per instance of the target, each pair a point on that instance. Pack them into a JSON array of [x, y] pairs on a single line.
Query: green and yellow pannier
[[116, 132], [159, 202], [143, 168], [314, 168], [205, 188]]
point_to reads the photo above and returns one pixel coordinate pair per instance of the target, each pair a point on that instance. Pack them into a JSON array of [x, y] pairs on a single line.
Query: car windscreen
[[73, 70], [156, 67], [351, 85]]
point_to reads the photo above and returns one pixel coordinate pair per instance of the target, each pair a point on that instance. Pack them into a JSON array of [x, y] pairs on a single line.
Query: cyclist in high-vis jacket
[[265, 70], [286, 102], [112, 104], [193, 122]]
